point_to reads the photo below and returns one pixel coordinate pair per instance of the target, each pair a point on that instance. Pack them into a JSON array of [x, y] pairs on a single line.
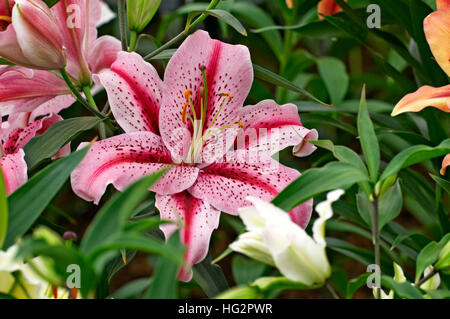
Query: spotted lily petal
[[134, 91], [269, 127], [197, 219], [227, 184], [122, 159], [14, 169]]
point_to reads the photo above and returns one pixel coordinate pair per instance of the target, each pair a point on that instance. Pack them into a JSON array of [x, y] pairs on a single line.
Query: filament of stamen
[[220, 108]]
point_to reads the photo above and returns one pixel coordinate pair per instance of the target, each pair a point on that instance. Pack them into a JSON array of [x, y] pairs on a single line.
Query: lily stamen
[[5, 18]]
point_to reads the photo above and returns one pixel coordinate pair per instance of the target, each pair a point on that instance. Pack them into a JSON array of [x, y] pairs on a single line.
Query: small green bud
[[140, 13]]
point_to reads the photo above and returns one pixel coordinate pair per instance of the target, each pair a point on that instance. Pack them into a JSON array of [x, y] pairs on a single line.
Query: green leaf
[[333, 73], [210, 277], [28, 202], [164, 284], [429, 255], [132, 290], [164, 55], [5, 62], [442, 182], [55, 137], [354, 284], [51, 3], [413, 155], [315, 181], [390, 205], [257, 18], [246, 270], [282, 283], [368, 139], [3, 209], [225, 16], [114, 215], [268, 76], [403, 290]]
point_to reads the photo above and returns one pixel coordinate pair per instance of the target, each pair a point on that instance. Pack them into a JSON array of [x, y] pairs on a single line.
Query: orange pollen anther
[[187, 94], [183, 113], [5, 18], [228, 95], [239, 123]]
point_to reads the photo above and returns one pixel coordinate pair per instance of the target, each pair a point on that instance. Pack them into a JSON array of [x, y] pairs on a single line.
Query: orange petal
[[327, 7], [443, 4], [290, 3], [437, 31], [445, 163], [423, 97]]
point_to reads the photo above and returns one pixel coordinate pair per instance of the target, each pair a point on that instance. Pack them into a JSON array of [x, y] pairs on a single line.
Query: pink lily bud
[[37, 35]]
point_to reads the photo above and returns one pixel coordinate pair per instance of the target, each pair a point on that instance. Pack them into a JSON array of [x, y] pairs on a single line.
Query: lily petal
[[134, 91], [227, 184], [445, 163], [437, 31], [103, 53], [14, 169], [328, 7], [10, 48], [443, 4], [24, 90], [228, 70], [424, 97], [21, 128], [76, 20], [198, 220], [122, 159], [270, 128]]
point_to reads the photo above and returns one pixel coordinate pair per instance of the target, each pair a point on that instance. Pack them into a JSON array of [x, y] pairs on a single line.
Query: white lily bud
[[273, 238]]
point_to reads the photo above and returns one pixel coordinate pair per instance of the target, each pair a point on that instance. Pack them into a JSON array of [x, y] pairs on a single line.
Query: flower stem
[[122, 24], [376, 239], [331, 290], [78, 96], [90, 98], [183, 34]]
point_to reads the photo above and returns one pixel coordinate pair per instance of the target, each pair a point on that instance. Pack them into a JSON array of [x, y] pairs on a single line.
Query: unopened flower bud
[[140, 13]]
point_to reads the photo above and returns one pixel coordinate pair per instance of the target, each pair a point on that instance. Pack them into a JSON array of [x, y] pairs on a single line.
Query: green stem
[[133, 38], [122, 24], [78, 96], [90, 98], [376, 239], [331, 290], [183, 34]]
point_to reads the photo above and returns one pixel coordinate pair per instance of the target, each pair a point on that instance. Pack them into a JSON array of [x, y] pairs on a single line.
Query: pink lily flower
[[15, 134], [195, 123], [437, 32], [26, 90], [29, 35]]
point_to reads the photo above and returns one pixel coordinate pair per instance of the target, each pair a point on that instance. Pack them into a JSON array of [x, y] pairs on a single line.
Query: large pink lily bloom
[[26, 90], [14, 135], [194, 123], [437, 32]]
